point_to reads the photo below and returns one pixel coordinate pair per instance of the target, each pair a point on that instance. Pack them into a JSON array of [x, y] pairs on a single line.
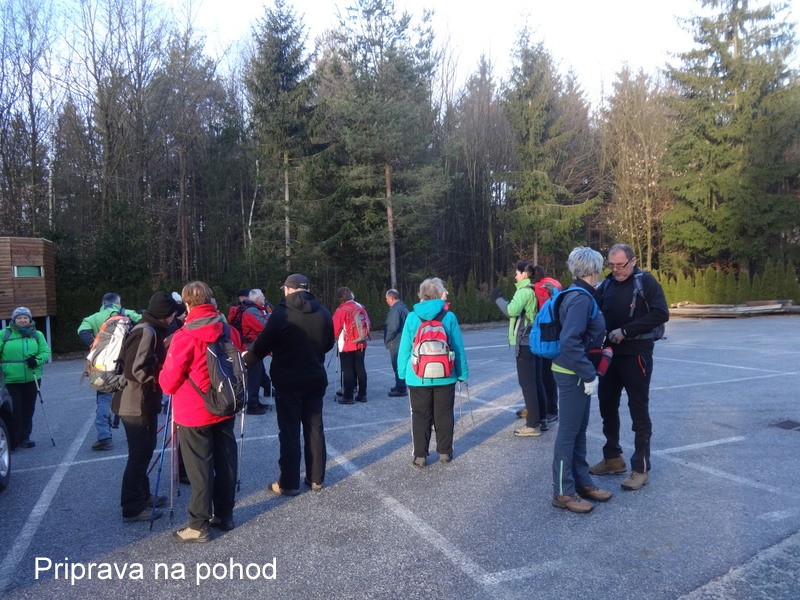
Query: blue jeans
[[102, 421], [570, 468]]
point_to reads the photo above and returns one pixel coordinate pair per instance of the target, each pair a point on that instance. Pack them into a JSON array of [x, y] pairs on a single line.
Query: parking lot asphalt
[[719, 519]]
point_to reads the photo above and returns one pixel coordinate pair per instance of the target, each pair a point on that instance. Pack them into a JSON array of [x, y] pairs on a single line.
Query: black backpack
[[657, 333], [226, 393]]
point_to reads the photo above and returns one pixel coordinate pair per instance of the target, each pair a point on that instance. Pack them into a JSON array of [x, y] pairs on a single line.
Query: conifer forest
[[358, 160]]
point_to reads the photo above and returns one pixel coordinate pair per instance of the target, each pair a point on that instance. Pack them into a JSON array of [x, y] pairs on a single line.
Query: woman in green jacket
[[23, 351], [520, 312]]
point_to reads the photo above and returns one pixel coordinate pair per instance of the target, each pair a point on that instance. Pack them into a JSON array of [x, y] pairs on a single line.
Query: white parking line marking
[[730, 477], [699, 445], [459, 559], [777, 515], [724, 366], [20, 547], [719, 381]]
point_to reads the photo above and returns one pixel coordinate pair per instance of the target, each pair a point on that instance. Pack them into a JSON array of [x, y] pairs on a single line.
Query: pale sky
[[594, 38]]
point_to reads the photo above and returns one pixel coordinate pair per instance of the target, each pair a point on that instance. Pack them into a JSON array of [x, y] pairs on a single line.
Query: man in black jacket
[[392, 331], [298, 334], [139, 403], [632, 310]]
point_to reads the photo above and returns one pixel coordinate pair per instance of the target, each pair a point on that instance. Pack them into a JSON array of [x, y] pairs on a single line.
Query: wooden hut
[[28, 278]]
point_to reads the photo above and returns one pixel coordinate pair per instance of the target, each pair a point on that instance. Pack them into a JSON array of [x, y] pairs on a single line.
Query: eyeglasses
[[622, 266]]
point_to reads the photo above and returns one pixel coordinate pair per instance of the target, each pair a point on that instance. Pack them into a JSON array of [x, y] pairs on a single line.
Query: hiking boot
[[145, 515], [256, 409], [275, 488], [592, 492], [397, 393], [634, 481], [445, 458], [159, 501], [543, 425], [223, 523], [552, 417], [361, 398], [526, 431], [27, 443], [573, 503], [315, 487], [187, 535], [607, 466], [105, 444], [346, 401], [419, 462], [522, 413]]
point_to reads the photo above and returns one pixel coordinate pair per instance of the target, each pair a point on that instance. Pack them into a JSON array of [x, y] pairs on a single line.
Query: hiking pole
[[44, 412], [173, 462], [462, 388], [241, 453], [160, 468]]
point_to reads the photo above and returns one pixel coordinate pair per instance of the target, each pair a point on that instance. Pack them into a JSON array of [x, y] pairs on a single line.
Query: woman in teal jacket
[[432, 399], [23, 351], [521, 312]]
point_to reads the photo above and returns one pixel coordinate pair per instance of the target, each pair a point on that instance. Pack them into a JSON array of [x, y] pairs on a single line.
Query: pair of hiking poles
[[170, 434]]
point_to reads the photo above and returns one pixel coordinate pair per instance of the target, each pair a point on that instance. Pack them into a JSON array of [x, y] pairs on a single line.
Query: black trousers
[[257, 379], [528, 370], [631, 372], [141, 433], [550, 387], [399, 384], [295, 408], [432, 405], [209, 454], [353, 370], [23, 403]]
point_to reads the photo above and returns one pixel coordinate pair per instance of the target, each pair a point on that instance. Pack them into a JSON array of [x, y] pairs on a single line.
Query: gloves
[[590, 387], [496, 293], [31, 362]]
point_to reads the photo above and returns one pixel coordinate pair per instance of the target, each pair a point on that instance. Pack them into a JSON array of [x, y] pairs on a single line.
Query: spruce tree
[[737, 104]]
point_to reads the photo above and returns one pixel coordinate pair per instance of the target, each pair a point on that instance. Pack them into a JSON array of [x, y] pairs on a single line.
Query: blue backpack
[[546, 330]]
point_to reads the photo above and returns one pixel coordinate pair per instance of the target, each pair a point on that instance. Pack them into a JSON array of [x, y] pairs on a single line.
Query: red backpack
[[356, 324], [431, 355]]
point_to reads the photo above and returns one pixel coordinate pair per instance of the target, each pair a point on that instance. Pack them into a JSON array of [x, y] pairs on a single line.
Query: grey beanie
[[21, 311]]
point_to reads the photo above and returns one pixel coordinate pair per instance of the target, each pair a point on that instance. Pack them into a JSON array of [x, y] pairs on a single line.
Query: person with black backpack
[[87, 331], [207, 441], [635, 310], [138, 404], [298, 335]]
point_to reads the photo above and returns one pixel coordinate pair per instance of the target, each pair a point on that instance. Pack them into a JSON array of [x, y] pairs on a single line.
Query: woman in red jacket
[[208, 444]]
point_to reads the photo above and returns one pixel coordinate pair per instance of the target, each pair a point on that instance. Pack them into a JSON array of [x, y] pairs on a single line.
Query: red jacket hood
[[204, 323]]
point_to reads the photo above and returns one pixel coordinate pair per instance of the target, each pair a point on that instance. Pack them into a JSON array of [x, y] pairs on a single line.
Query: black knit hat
[[162, 305]]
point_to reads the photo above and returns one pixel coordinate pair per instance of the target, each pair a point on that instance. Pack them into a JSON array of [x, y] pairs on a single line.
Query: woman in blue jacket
[[576, 377], [23, 351], [432, 399]]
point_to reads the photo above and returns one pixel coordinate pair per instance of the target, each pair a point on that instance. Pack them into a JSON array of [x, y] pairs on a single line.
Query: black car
[[6, 434]]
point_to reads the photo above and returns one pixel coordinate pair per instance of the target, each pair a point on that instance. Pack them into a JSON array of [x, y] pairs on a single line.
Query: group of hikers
[[616, 319], [164, 360]]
